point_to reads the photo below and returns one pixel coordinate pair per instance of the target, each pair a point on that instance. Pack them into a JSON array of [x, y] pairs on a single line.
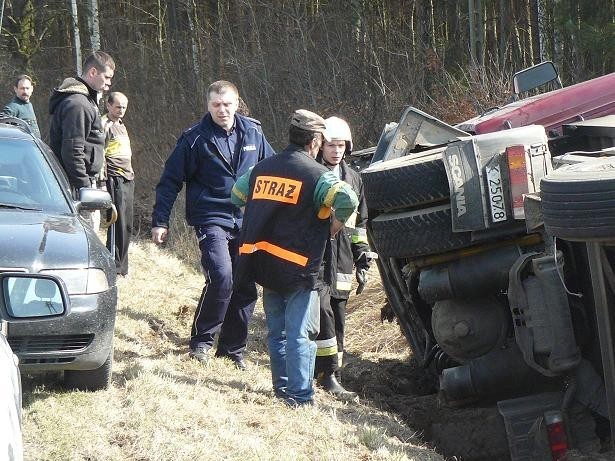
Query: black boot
[[330, 384]]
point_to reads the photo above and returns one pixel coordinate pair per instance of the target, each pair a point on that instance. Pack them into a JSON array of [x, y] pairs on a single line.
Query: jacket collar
[[207, 125]]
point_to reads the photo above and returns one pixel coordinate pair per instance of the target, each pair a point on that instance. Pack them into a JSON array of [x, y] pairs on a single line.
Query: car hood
[[36, 241]]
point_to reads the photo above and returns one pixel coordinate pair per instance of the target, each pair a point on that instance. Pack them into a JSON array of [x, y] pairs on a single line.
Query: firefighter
[[292, 207], [348, 252]]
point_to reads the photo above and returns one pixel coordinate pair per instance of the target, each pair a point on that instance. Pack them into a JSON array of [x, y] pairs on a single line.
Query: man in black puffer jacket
[[76, 133]]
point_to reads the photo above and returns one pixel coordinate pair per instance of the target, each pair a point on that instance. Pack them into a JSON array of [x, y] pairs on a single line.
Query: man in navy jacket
[[209, 157]]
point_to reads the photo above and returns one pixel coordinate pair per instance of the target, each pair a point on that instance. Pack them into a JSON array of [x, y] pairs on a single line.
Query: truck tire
[[405, 182], [578, 201], [416, 233]]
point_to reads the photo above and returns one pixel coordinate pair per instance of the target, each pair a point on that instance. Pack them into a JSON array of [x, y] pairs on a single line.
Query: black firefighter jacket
[[350, 242]]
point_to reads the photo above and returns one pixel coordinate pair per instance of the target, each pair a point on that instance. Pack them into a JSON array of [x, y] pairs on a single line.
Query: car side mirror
[[28, 297], [93, 199]]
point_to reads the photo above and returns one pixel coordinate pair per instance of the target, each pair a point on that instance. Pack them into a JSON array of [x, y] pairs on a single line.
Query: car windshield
[[27, 181]]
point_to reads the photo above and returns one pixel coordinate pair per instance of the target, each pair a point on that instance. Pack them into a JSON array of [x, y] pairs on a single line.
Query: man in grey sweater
[[20, 106]]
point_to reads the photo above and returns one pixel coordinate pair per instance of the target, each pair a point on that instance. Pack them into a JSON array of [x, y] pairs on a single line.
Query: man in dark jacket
[[293, 205], [348, 250], [20, 106], [209, 157], [76, 133]]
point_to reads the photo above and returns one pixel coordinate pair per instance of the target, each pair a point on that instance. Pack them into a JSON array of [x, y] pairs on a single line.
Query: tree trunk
[[475, 16], [196, 68], [504, 33], [93, 26], [76, 39]]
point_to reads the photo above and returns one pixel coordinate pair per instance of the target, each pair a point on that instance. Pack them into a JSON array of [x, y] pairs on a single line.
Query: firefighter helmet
[[339, 130]]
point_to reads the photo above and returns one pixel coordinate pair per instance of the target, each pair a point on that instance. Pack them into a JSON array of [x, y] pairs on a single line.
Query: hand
[[361, 274], [335, 227], [159, 234]]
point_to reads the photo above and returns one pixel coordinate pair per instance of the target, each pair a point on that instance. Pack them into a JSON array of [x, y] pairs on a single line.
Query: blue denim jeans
[[292, 321]]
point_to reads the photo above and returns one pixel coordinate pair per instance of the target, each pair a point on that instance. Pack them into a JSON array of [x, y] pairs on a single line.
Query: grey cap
[[309, 121]]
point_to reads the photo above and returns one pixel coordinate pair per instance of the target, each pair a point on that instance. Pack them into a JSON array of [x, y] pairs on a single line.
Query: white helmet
[[338, 130]]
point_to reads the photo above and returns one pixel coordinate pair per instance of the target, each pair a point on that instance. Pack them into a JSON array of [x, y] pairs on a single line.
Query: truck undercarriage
[[485, 260]]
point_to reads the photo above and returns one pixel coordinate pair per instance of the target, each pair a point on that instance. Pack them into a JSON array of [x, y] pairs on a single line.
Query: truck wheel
[[407, 181], [90, 380], [578, 201], [415, 233]]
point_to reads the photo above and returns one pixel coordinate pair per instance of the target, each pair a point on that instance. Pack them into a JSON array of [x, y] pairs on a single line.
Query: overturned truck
[[482, 231]]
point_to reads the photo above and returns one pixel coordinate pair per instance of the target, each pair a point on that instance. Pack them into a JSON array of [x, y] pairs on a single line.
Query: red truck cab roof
[[585, 100]]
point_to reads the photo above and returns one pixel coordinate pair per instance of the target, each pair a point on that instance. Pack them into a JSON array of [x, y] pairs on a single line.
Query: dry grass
[[367, 336], [163, 406]]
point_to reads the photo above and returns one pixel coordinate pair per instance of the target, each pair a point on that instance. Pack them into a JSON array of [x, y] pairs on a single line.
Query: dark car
[[42, 231], [23, 298]]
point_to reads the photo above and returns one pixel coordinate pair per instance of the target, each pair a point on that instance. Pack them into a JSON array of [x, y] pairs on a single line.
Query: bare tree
[[76, 38], [93, 26]]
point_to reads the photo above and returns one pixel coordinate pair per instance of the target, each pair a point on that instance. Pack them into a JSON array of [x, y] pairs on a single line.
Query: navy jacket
[[209, 177]]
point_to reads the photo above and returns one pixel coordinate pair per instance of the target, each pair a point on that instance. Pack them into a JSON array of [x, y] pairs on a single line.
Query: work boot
[[330, 384]]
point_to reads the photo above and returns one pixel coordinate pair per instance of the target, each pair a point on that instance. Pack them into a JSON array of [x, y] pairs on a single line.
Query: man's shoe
[[238, 362], [200, 353], [292, 403], [330, 384]]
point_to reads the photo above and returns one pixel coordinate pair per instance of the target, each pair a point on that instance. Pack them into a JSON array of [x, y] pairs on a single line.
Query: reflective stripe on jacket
[[286, 223]]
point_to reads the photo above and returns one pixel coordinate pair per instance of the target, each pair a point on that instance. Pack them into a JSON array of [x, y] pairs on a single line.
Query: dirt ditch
[[406, 389], [472, 433]]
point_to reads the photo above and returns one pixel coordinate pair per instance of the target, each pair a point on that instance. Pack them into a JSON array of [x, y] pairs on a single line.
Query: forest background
[[363, 60]]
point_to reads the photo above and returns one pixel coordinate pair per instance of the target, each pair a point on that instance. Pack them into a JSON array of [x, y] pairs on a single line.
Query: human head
[[23, 87], [341, 141], [98, 70], [117, 103], [308, 130], [222, 102]]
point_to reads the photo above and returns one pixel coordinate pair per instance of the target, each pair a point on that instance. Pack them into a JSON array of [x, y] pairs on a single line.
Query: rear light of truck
[[556, 433], [517, 168]]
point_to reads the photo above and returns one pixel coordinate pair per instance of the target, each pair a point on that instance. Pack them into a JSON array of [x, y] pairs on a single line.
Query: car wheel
[[415, 233], [578, 201], [405, 182], [90, 380]]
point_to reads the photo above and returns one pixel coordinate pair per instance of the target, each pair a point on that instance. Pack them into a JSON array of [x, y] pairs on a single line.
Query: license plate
[[496, 193]]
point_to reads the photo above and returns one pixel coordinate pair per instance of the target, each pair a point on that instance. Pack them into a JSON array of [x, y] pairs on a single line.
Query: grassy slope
[[163, 406]]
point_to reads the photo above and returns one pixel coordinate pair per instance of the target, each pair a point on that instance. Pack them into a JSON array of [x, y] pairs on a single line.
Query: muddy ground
[[470, 433], [404, 388]]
